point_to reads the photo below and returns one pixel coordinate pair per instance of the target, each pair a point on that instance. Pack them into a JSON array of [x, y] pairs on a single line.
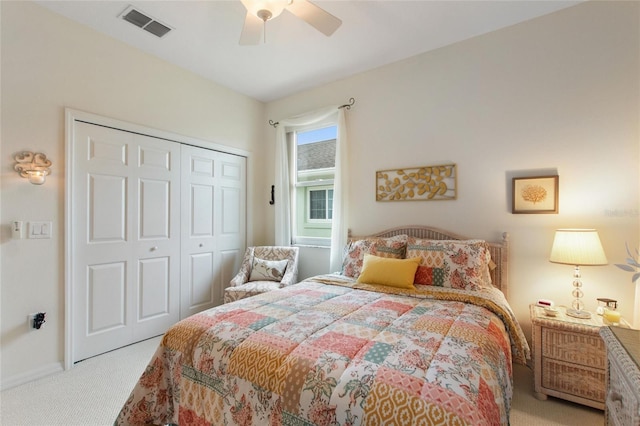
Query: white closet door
[[126, 265], [213, 225], [156, 238], [232, 225]]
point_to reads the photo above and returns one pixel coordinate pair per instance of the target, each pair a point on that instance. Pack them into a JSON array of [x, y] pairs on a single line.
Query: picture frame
[[426, 183], [535, 195]]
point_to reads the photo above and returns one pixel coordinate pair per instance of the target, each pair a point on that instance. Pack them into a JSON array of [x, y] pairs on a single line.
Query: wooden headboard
[[499, 250]]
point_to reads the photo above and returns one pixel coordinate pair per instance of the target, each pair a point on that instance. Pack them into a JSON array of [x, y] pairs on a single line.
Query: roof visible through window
[[316, 148], [324, 134]]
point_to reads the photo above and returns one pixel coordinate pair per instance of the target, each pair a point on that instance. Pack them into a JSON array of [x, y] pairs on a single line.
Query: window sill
[[311, 246]]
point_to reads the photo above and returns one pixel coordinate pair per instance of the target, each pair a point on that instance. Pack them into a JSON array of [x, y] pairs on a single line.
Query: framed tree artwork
[[538, 194]]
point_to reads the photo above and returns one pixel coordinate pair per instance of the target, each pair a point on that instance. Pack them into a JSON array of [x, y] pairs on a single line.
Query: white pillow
[[267, 270]]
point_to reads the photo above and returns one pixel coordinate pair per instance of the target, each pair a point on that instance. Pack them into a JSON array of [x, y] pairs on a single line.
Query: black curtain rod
[[348, 105]]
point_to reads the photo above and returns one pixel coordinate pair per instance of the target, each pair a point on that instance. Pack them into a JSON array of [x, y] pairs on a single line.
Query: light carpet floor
[[92, 393]]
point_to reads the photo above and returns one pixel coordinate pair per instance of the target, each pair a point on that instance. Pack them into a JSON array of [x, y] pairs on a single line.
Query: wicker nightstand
[[569, 357], [623, 384]]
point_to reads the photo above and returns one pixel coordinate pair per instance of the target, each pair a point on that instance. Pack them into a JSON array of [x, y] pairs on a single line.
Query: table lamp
[[578, 247]]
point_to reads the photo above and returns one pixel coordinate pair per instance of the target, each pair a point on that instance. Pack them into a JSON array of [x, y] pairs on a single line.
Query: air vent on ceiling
[[144, 21]]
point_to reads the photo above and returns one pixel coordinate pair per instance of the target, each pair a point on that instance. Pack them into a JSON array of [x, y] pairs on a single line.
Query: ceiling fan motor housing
[[264, 14], [260, 11], [266, 9]]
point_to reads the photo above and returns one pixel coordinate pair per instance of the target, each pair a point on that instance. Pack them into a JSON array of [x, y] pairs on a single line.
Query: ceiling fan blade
[[315, 16], [252, 30]]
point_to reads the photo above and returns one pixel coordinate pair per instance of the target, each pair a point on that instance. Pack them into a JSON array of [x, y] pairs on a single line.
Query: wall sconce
[[33, 166]]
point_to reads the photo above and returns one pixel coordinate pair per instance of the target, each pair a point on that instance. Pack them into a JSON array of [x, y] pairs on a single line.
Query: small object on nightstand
[[552, 312], [611, 317], [545, 303], [604, 303]]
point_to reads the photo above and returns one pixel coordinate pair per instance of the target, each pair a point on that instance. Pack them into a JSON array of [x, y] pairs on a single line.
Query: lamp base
[[578, 314]]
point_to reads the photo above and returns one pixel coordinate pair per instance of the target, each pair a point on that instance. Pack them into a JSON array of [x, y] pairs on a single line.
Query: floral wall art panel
[[417, 184]]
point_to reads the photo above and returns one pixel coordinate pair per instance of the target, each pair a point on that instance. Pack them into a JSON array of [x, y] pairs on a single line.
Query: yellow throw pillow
[[390, 272]]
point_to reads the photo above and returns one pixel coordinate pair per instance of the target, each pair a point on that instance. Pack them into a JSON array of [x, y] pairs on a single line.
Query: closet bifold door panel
[[213, 225], [126, 236], [156, 230]]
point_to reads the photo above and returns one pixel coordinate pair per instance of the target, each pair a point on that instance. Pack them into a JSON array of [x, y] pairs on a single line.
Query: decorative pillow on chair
[[460, 264], [267, 270], [392, 248]]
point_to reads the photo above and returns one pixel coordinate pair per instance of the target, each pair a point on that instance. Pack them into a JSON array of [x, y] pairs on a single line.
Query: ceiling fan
[[261, 11]]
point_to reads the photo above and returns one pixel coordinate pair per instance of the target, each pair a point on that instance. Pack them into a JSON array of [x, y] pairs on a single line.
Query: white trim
[[162, 134], [314, 173], [71, 116], [31, 375], [137, 128], [68, 239], [327, 182], [324, 242]]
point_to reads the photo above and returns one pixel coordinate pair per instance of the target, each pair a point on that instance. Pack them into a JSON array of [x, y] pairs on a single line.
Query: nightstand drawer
[[623, 403], [578, 348], [573, 379]]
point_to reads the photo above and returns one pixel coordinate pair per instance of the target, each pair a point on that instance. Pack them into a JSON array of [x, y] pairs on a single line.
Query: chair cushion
[[249, 289]]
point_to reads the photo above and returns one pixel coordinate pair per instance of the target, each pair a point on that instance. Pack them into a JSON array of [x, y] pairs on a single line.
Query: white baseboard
[[29, 376]]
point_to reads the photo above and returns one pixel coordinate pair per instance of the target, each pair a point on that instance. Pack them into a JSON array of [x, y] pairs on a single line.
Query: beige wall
[[49, 63], [558, 94]]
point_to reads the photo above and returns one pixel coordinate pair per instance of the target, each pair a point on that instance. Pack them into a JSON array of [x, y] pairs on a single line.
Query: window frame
[[308, 185], [326, 189]]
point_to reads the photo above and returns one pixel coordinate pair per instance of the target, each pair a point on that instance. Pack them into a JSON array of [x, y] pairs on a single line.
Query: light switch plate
[[39, 230]]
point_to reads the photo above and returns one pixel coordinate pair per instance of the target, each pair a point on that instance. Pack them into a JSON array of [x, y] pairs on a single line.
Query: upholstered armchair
[[264, 268]]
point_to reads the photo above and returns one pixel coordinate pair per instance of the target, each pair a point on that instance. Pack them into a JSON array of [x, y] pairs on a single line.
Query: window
[[320, 204], [315, 154]]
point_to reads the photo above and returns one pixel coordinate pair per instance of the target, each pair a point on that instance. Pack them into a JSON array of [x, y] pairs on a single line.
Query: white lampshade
[[577, 247]]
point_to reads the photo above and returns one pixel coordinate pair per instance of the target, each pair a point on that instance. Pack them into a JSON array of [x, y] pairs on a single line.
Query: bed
[[350, 348]]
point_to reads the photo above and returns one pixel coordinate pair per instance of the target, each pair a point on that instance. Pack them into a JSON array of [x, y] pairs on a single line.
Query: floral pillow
[[391, 248], [458, 264], [267, 270]]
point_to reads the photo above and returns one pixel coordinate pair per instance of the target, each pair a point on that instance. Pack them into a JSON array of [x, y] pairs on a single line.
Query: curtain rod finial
[[351, 103]]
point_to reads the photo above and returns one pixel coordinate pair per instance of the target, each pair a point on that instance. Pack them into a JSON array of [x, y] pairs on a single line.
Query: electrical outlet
[[16, 229], [36, 320]]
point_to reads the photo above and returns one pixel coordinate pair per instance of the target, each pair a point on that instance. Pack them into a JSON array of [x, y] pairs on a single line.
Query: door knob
[[154, 248]]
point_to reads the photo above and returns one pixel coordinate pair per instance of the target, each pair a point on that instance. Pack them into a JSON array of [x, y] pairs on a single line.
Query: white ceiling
[[296, 56]]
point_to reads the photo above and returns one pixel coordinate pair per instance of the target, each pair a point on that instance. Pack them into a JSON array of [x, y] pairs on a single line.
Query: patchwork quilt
[[330, 351]]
